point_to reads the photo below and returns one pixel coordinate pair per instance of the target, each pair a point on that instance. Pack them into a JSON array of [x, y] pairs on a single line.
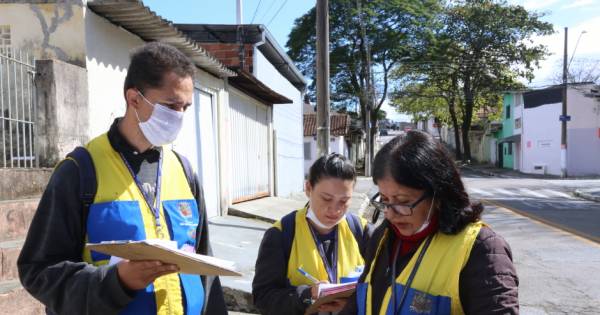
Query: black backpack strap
[[87, 176], [355, 227], [189, 171], [288, 229]]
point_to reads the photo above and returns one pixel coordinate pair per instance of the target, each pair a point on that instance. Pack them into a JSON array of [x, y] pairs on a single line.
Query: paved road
[[549, 201], [558, 272]]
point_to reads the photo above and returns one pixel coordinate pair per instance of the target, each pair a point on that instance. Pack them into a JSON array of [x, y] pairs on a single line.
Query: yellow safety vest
[[120, 212], [304, 252], [435, 287]]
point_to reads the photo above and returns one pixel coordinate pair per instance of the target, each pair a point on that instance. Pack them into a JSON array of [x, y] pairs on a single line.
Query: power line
[[268, 10], [255, 11], [277, 13]]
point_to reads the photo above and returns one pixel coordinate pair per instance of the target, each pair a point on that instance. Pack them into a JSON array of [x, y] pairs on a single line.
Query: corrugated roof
[[133, 16], [339, 124]]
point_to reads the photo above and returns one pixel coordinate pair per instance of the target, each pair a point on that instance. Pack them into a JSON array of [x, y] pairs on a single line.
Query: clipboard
[[189, 263], [314, 308]]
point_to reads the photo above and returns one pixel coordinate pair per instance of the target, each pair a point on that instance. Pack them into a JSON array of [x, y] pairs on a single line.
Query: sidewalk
[[493, 171], [237, 239]]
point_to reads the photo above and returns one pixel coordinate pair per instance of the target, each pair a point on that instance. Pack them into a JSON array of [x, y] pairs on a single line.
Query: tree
[[580, 70], [480, 48], [393, 30]]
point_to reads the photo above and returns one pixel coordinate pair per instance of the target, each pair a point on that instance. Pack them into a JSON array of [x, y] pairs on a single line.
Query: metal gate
[[17, 109], [250, 145]]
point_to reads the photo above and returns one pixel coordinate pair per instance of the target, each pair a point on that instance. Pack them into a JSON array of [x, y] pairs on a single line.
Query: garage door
[[250, 148]]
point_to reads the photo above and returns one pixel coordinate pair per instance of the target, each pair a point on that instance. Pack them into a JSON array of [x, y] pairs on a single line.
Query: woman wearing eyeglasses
[[432, 254]]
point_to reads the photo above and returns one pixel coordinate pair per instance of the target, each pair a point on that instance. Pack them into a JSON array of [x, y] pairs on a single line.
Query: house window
[[5, 39], [307, 153], [518, 100], [508, 112], [509, 148], [518, 123]]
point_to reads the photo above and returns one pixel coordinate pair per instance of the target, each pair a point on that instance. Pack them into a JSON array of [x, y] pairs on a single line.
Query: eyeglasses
[[400, 209]]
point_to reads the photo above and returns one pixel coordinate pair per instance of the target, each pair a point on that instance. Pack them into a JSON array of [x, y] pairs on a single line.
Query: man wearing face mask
[[143, 190]]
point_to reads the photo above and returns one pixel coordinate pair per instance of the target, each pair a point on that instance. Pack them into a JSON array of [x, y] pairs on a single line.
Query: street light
[[574, 50]]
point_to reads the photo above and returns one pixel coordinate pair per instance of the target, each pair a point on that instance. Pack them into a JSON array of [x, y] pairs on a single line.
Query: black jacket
[[50, 265], [488, 283], [271, 289]]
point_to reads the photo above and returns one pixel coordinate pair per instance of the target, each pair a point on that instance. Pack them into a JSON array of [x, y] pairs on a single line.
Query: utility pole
[[239, 12], [370, 90], [564, 117], [322, 77]]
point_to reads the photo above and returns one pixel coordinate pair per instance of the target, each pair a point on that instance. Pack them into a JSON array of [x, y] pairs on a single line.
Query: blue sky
[[279, 16], [224, 12]]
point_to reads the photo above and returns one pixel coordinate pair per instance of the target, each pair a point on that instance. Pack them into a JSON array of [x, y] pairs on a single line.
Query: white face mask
[[163, 126], [427, 220], [310, 214]]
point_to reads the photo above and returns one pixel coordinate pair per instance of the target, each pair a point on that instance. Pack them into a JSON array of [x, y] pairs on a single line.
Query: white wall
[[336, 145], [287, 123], [540, 141], [583, 138], [518, 112], [107, 59]]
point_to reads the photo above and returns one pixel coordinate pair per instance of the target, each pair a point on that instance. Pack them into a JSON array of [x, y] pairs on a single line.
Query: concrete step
[[9, 253], [15, 217], [15, 300], [22, 183]]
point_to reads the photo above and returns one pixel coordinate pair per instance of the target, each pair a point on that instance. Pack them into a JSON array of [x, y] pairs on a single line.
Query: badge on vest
[[185, 210], [421, 303]]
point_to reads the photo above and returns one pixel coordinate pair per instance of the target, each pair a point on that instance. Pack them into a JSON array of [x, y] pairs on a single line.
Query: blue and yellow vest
[[119, 212], [435, 287], [304, 252]]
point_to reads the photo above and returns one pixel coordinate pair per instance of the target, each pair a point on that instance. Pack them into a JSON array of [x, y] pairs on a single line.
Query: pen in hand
[[308, 276]]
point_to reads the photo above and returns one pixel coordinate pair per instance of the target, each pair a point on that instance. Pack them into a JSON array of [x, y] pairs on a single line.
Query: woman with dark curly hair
[[432, 254]]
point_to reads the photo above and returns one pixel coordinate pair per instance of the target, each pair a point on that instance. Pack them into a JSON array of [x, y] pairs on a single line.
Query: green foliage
[[395, 29], [478, 50]]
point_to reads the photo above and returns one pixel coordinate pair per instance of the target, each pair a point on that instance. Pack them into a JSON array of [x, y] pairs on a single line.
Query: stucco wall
[[541, 138], [60, 87], [583, 134], [47, 30], [108, 48], [287, 123]]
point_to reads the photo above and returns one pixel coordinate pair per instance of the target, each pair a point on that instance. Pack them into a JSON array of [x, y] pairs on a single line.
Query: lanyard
[[410, 277], [155, 206], [331, 269]]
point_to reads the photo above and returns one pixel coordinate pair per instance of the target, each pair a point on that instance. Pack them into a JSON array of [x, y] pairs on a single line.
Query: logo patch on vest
[[185, 210], [421, 303]]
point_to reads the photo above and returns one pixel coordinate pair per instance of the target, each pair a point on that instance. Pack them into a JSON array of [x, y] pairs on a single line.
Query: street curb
[[239, 300], [491, 174], [243, 214], [585, 195]]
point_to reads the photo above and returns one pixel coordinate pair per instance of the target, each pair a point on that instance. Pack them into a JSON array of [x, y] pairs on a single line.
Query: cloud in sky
[[578, 4], [588, 47], [536, 4]]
